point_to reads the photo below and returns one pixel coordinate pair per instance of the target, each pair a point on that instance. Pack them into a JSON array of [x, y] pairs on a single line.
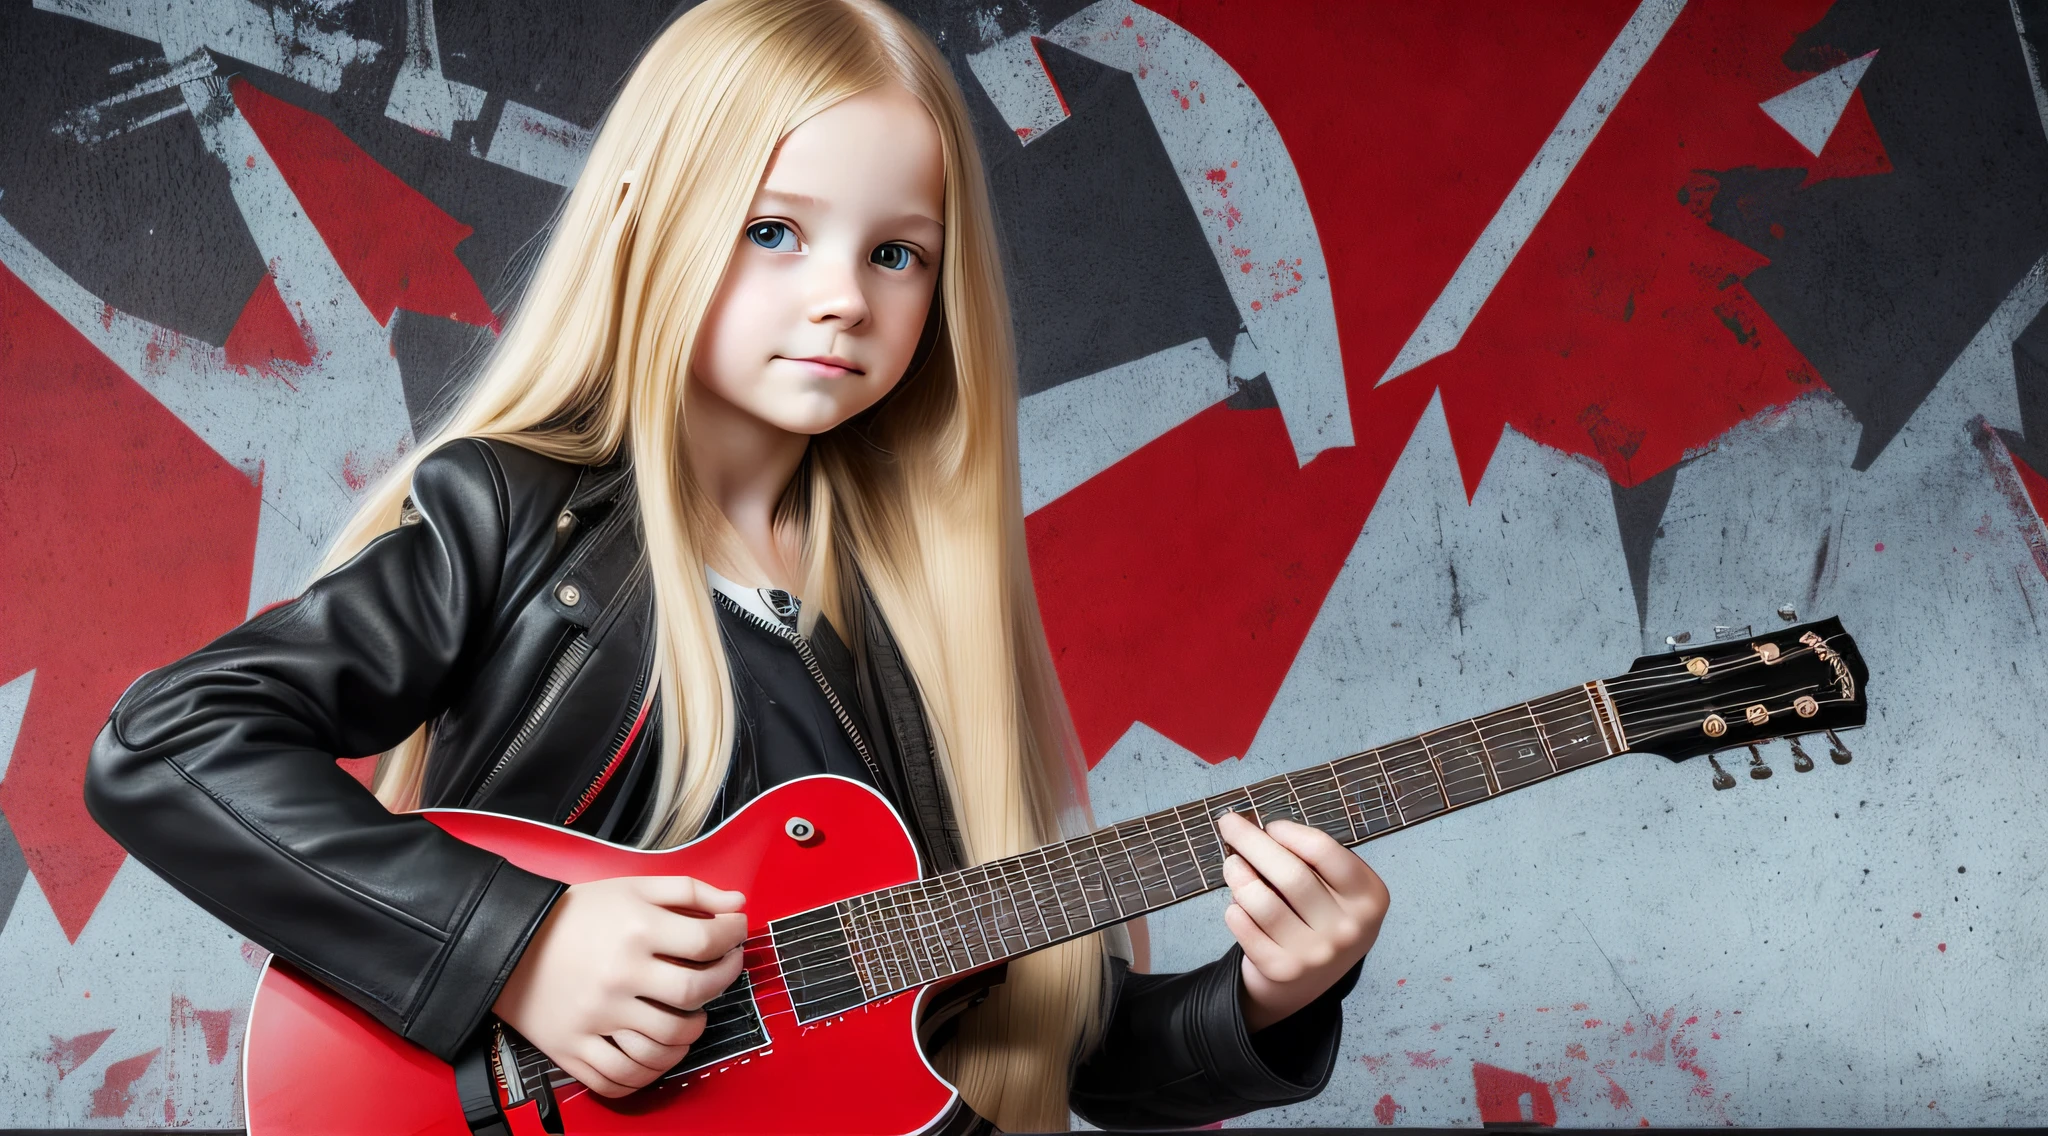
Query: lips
[[830, 366]]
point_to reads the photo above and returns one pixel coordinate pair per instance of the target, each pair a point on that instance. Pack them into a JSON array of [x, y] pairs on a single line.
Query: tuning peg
[[1838, 752], [1722, 778], [1800, 761], [1758, 771]]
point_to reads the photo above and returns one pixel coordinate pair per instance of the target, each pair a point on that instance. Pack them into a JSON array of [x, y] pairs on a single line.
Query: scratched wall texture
[[1384, 364]]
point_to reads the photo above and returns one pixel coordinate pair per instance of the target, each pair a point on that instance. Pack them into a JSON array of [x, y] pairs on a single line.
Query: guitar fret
[[1458, 767], [917, 933]]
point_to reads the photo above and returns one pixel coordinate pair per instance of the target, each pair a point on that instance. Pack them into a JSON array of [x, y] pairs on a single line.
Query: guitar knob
[[1837, 752], [800, 830], [1722, 778], [1800, 761], [1758, 771]]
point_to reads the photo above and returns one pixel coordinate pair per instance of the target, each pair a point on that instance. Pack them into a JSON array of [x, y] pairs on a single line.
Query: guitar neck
[[904, 937]]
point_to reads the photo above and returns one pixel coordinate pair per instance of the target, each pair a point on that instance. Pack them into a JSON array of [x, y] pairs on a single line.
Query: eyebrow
[[807, 199]]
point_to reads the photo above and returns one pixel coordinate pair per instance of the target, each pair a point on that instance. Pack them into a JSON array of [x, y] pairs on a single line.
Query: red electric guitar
[[819, 1033]]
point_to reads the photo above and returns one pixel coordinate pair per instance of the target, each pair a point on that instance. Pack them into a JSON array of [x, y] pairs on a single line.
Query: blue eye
[[896, 257], [772, 235]]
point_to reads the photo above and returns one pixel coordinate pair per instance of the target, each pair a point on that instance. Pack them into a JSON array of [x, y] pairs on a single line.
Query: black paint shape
[[1105, 259], [1639, 514], [13, 869], [2030, 374], [568, 60], [1881, 281], [143, 220], [1255, 393]]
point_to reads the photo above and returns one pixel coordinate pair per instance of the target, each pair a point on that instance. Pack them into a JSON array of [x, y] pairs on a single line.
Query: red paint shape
[[1499, 1093], [267, 333], [396, 246], [1621, 331], [1916, 915], [115, 1095], [1426, 1059], [1578, 1005], [1615, 1094], [1386, 1109], [71, 1052], [1575, 1051], [2036, 486], [1942, 947], [143, 543], [1372, 1063], [1215, 517], [1178, 585], [214, 1025], [1591, 1022], [1880, 546]]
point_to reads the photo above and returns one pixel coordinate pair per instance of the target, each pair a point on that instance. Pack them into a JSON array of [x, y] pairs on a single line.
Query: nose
[[834, 288]]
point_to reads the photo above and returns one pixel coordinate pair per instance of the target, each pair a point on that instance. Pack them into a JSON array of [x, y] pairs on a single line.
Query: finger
[[687, 987], [695, 938], [1337, 865], [663, 1024], [689, 894], [1296, 882], [647, 1052], [1262, 903], [612, 1064], [1269, 958], [591, 1079]]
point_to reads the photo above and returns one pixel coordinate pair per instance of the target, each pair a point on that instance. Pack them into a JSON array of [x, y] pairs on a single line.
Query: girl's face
[[833, 274]]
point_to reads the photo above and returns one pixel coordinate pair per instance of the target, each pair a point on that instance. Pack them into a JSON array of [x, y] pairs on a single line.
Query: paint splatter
[[1426, 1059], [214, 1025], [1385, 1110], [115, 1095], [69, 1053]]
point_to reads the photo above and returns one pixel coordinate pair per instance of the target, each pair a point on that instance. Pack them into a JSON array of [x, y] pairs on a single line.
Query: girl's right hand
[[613, 983]]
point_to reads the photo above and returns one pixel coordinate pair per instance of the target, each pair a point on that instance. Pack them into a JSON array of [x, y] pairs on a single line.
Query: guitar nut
[[1696, 667], [1714, 726], [1805, 706], [1757, 715]]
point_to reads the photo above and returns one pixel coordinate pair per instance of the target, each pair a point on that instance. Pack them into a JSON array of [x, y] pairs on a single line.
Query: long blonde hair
[[920, 495]]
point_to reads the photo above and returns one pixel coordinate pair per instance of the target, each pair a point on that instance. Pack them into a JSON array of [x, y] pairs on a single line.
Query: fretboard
[[900, 938]]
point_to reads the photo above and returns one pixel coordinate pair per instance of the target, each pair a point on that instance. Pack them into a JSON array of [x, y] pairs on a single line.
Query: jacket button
[[569, 594]]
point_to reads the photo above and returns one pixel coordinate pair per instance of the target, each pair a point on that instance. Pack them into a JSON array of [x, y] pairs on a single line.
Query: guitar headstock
[[1805, 679]]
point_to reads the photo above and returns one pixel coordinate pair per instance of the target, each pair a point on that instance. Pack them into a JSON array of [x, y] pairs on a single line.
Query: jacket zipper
[[572, 657], [629, 732], [803, 650]]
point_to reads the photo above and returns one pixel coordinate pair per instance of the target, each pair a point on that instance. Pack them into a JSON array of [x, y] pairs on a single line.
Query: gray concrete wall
[[1383, 365]]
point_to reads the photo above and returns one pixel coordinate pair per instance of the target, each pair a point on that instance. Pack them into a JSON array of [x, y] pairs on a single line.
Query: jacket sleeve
[[1176, 1054], [218, 771]]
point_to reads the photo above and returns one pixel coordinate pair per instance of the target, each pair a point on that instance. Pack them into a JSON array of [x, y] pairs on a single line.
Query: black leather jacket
[[510, 611]]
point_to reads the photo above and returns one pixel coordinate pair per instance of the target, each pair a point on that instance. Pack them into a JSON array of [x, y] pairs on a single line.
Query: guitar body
[[315, 1063]]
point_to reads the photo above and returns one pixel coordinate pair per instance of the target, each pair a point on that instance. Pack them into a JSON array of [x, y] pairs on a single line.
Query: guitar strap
[[478, 1089]]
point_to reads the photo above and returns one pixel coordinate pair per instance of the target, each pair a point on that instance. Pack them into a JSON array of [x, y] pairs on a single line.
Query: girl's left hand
[[1304, 908]]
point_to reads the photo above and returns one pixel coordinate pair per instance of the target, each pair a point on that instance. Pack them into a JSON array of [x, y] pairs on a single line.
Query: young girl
[[735, 501]]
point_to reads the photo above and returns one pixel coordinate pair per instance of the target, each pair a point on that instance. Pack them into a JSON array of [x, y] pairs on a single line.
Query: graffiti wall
[[1384, 364]]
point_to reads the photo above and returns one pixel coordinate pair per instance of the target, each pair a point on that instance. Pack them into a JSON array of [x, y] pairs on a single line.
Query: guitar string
[[906, 899], [1470, 743]]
